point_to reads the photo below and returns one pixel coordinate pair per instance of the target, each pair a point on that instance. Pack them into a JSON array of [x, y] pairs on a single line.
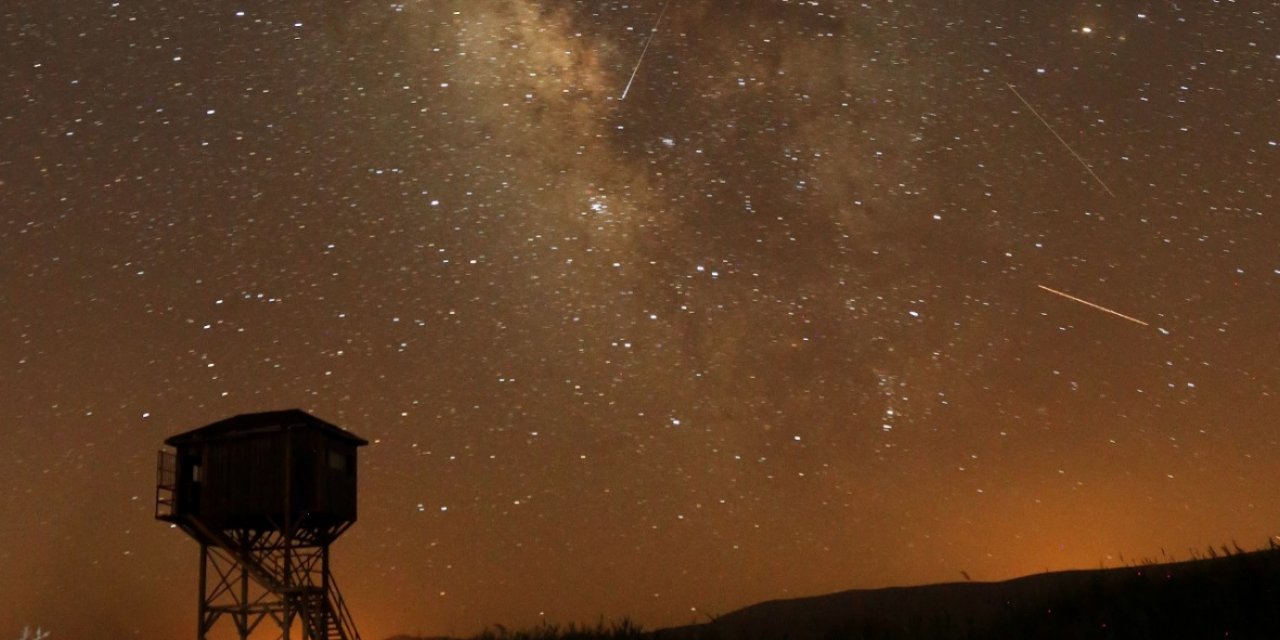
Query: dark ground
[[1227, 594]]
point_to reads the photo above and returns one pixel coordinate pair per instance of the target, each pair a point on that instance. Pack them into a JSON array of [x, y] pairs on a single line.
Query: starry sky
[[772, 325]]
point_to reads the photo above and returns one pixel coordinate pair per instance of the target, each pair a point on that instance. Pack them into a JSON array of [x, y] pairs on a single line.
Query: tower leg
[[201, 625], [242, 620]]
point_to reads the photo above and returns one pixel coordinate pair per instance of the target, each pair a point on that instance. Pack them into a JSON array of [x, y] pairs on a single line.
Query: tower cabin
[[271, 471]]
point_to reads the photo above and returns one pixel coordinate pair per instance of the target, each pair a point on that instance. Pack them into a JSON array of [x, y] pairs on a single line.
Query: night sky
[[772, 325]]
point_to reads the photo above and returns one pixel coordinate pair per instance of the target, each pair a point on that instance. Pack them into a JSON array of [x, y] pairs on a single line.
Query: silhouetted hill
[[1235, 596], [1231, 596]]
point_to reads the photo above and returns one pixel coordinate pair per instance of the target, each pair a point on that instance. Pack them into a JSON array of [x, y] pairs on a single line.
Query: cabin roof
[[264, 422]]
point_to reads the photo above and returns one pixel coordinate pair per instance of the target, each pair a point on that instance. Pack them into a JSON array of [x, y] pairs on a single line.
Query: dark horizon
[[841, 295], [1224, 591]]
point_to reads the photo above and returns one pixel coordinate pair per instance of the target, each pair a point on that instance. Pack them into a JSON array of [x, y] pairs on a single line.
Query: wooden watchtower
[[264, 494]]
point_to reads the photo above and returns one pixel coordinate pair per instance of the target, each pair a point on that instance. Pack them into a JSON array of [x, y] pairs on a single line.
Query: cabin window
[[195, 473], [337, 460]]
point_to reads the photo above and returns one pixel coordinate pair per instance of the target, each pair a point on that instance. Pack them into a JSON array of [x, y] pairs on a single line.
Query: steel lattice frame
[[251, 575]]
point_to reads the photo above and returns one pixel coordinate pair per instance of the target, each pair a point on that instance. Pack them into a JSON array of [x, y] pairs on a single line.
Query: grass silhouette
[[623, 629]]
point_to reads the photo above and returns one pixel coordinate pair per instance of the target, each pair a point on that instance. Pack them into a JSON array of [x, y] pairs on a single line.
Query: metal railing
[[341, 612], [166, 484]]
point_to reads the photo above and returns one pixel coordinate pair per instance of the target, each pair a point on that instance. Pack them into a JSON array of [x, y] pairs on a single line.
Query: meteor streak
[[1095, 306], [1064, 142], [652, 32]]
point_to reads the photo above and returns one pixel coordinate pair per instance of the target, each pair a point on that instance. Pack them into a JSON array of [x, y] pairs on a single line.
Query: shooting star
[[1095, 306], [1064, 142], [652, 32]]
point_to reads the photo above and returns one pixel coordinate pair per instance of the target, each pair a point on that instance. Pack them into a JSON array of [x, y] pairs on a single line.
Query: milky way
[[773, 325]]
